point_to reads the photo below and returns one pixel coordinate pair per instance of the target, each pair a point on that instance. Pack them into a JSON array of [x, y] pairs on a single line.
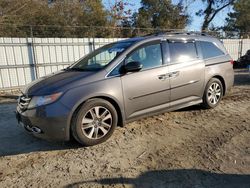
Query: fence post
[[91, 44], [240, 48], [32, 57]]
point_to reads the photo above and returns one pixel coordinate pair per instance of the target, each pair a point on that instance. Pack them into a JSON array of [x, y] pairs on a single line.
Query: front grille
[[23, 102]]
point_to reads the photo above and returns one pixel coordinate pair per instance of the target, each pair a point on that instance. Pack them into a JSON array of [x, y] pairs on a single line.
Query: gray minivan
[[124, 81]]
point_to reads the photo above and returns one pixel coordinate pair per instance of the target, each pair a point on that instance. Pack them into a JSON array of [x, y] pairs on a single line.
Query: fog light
[[36, 130]]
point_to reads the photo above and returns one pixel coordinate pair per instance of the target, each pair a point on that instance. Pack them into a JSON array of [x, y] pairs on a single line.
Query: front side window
[[101, 57], [149, 56], [210, 50], [182, 51]]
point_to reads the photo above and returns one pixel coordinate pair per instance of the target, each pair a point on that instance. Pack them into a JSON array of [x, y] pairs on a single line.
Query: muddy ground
[[192, 147]]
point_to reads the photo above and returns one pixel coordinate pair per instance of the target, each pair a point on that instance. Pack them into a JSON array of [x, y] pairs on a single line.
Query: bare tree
[[210, 10], [213, 7]]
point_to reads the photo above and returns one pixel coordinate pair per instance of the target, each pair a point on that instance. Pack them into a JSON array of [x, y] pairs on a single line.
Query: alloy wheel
[[97, 122], [214, 93]]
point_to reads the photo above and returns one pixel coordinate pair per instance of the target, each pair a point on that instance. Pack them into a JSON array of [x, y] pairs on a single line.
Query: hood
[[55, 82]]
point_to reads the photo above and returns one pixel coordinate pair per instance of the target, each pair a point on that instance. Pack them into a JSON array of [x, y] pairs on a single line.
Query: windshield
[[101, 57]]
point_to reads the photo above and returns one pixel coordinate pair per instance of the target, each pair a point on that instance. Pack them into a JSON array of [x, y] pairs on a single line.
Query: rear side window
[[182, 51], [210, 50]]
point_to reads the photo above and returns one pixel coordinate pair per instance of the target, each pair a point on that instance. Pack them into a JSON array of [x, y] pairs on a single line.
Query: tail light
[[232, 62]]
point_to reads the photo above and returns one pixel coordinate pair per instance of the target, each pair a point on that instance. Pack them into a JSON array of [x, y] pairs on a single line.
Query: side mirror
[[133, 66]]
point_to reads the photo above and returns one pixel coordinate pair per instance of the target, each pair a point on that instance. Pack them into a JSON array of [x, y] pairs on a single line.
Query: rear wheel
[[213, 93], [95, 122]]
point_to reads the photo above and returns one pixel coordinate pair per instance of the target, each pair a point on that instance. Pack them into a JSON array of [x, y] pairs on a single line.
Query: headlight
[[43, 100]]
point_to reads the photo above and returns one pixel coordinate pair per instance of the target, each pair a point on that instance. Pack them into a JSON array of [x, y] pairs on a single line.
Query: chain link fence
[[55, 31], [52, 31]]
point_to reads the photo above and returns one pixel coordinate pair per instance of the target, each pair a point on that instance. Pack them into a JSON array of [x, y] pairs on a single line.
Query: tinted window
[[209, 50], [182, 51], [149, 56]]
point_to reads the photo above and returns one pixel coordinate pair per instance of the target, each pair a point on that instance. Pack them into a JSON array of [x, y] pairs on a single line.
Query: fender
[[84, 99]]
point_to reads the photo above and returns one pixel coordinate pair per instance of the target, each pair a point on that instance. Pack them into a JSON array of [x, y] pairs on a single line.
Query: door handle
[[174, 74], [162, 77]]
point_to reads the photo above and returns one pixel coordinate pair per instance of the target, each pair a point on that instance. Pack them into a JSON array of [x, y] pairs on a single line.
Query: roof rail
[[177, 33], [186, 33]]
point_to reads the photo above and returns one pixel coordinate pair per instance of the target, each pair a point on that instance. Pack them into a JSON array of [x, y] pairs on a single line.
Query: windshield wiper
[[67, 68], [73, 69]]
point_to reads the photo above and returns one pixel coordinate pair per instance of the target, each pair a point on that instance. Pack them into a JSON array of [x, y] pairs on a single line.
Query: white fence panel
[[14, 62], [245, 46], [232, 46], [24, 59]]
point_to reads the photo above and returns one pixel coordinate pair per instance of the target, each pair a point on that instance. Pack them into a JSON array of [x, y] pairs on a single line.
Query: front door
[[148, 90]]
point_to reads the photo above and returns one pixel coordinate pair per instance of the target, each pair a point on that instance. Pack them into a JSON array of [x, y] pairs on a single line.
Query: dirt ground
[[192, 147]]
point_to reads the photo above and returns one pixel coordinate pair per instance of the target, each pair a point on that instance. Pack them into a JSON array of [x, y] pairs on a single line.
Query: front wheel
[[213, 93], [95, 122]]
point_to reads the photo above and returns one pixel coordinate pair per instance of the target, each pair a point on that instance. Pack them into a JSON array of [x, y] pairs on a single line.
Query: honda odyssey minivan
[[123, 81]]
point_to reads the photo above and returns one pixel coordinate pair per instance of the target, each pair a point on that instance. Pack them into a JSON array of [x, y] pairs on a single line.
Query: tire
[[94, 122], [213, 93]]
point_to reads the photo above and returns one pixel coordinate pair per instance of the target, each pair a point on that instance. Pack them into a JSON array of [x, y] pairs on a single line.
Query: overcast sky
[[219, 20]]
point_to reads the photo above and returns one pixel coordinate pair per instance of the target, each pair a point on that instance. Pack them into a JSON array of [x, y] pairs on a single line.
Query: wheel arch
[[117, 107], [222, 82], [120, 114]]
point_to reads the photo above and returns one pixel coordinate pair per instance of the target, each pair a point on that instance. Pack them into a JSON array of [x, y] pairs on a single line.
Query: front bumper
[[49, 122]]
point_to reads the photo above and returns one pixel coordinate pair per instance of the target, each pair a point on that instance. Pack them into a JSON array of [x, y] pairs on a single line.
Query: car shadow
[[173, 178], [15, 140], [191, 108]]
